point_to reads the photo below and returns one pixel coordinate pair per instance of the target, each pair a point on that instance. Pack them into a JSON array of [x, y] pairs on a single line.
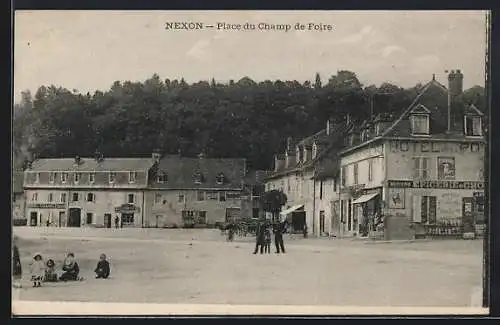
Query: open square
[[194, 266]]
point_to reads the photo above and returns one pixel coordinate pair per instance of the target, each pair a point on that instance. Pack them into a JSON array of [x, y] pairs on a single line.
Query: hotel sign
[[461, 185], [47, 206], [428, 146]]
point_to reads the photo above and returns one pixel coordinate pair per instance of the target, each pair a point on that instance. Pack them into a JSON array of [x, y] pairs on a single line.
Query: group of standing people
[[264, 235]]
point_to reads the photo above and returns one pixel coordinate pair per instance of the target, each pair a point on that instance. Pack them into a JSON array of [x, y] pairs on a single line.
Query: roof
[[17, 182], [255, 177], [91, 164], [181, 172]]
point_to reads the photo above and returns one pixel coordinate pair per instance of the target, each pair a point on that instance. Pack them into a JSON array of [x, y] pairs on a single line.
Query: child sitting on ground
[[50, 271], [102, 269], [37, 270], [70, 268]]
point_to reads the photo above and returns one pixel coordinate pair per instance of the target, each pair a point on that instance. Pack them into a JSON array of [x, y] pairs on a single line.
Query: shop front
[[128, 215], [46, 214]]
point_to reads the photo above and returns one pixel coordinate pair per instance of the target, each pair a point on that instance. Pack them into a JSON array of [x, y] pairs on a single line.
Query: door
[[62, 218], [107, 220], [335, 222], [321, 222], [33, 219], [75, 217], [467, 215]]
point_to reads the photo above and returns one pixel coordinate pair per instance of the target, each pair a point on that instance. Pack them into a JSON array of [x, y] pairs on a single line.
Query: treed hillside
[[238, 119]]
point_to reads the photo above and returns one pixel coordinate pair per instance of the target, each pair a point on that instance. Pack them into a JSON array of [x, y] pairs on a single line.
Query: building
[[422, 170], [201, 191], [96, 192], [18, 198], [307, 173], [253, 188]]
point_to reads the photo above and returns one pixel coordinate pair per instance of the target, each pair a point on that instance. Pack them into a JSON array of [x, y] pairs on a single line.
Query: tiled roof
[[90, 164], [17, 181], [180, 172]]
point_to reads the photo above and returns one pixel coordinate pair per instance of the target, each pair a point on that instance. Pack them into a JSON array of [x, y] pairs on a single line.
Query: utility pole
[[487, 218]]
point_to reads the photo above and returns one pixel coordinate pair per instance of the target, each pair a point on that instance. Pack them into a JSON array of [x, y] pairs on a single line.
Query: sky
[[89, 50]]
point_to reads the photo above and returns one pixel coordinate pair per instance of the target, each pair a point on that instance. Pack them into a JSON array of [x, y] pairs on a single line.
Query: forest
[[241, 118]]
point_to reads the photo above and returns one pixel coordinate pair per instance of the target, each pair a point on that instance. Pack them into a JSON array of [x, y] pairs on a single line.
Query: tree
[[272, 201], [317, 81]]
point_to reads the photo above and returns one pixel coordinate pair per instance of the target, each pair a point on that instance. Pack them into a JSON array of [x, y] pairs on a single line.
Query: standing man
[[260, 237], [279, 229], [117, 222]]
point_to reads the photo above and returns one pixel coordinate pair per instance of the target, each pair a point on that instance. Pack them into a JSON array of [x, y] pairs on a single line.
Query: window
[[355, 173], [37, 178], [77, 177], [75, 197], [90, 197], [421, 168], [91, 177], [63, 197], [89, 218], [128, 218], [370, 170], [64, 177], [162, 177], [220, 179], [197, 177], [222, 196], [255, 212], [132, 176], [335, 184], [428, 210], [130, 198], [34, 197], [420, 124], [321, 190], [50, 197], [157, 198], [472, 126], [52, 177], [213, 196], [112, 177], [232, 195], [181, 198], [314, 150], [202, 217], [200, 196], [343, 175]]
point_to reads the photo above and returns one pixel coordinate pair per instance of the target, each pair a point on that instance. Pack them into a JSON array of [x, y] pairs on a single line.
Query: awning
[[364, 198], [289, 210]]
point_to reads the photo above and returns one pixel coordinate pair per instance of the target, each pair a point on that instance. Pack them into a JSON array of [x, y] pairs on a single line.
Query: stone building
[[201, 191], [18, 198], [91, 192]]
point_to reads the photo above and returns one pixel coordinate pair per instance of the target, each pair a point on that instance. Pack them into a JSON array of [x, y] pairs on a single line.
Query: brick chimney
[[156, 155], [455, 88]]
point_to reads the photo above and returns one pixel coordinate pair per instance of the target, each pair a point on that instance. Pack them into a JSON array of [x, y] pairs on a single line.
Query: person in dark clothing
[[260, 237], [267, 239], [70, 268], [17, 270], [279, 229], [50, 272], [102, 270], [117, 222]]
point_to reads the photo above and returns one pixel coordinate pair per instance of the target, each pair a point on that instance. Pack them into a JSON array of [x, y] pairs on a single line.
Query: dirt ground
[[199, 266]]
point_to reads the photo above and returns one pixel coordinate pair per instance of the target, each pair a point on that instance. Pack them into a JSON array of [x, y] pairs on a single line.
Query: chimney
[[78, 161], [329, 126], [278, 163], [455, 88], [98, 156]]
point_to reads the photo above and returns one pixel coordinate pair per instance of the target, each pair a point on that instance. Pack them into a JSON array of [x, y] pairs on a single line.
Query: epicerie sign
[[47, 206], [461, 185]]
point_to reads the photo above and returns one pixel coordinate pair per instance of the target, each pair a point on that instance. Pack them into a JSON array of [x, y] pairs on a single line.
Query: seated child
[[50, 272], [102, 269], [70, 268], [37, 270]]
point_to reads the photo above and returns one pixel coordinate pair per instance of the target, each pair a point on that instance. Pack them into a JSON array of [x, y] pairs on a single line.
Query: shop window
[[131, 198], [63, 197], [75, 197], [90, 218], [428, 210], [50, 198], [421, 168], [202, 217], [127, 218], [90, 197]]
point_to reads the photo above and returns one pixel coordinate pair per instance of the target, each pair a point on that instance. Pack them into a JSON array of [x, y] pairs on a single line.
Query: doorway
[[321, 222], [298, 221], [33, 219], [107, 220], [62, 218], [75, 217]]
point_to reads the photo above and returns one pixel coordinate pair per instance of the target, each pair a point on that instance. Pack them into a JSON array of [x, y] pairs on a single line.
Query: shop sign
[[46, 206], [352, 189], [461, 185], [126, 208], [428, 146]]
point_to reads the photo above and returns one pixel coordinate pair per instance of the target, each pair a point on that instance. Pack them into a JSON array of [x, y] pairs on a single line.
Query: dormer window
[[220, 179], [37, 178], [197, 177], [162, 178], [419, 119], [64, 177], [472, 126], [314, 150], [52, 178], [365, 135], [112, 177], [77, 177], [132, 176]]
